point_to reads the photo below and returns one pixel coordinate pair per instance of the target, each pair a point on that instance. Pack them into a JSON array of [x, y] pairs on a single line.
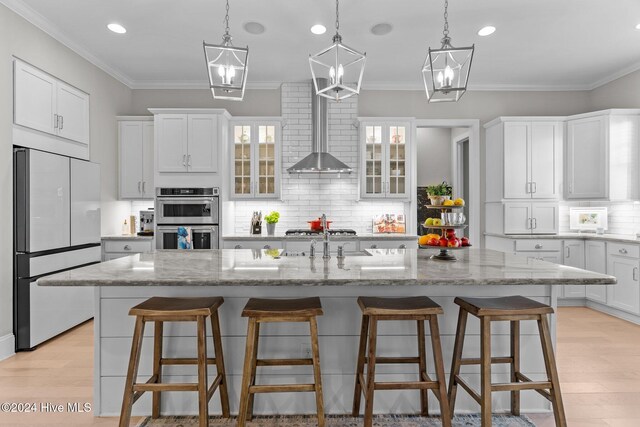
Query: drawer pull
[[402, 246], [374, 246], [238, 247], [538, 246], [267, 247], [622, 251], [127, 247]]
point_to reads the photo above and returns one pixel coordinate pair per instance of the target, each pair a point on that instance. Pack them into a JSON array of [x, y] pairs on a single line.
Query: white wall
[[108, 99], [433, 148]]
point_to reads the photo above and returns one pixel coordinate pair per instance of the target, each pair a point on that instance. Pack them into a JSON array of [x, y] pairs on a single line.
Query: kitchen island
[[238, 275]]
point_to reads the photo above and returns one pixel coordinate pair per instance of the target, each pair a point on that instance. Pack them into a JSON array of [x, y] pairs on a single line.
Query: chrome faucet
[[312, 250], [325, 237]]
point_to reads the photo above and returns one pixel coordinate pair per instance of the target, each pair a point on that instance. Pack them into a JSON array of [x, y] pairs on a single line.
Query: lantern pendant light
[[340, 65], [446, 70], [226, 66]]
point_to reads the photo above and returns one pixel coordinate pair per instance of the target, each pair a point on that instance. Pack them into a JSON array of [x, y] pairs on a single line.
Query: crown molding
[[33, 17], [194, 84], [615, 76]]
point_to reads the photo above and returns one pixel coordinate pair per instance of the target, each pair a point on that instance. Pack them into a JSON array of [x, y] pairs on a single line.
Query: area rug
[[341, 421]]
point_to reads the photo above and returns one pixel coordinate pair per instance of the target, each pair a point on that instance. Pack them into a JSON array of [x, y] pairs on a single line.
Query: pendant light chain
[[337, 16], [445, 32], [226, 37]]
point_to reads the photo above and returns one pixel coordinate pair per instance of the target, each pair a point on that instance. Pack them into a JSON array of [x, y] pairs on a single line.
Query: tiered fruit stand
[[445, 252]]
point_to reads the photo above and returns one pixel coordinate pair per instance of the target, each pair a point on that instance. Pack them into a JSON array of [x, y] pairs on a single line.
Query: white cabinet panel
[[202, 147], [545, 218], [172, 142], [574, 257], [544, 155], [586, 165], [625, 295], [516, 161], [596, 260], [34, 101], [148, 188], [85, 202], [135, 144], [73, 111], [49, 214], [131, 158], [517, 218]]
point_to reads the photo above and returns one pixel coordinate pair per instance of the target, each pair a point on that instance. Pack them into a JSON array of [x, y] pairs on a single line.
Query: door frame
[[473, 198]]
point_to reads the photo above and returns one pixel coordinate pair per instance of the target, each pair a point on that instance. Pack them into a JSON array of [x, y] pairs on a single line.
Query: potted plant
[[272, 220], [439, 193]]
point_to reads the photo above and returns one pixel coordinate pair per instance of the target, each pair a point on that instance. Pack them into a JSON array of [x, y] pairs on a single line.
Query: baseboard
[[572, 302], [7, 346], [629, 317]]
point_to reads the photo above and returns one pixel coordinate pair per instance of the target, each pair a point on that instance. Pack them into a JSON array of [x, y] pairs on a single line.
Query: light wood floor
[[598, 359]]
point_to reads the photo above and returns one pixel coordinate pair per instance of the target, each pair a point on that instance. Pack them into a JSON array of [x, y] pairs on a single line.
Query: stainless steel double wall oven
[[195, 208]]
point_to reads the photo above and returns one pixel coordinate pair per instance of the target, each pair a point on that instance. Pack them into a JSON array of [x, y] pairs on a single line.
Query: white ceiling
[[539, 44]]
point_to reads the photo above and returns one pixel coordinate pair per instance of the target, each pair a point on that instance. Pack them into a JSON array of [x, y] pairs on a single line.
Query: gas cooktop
[[307, 232]]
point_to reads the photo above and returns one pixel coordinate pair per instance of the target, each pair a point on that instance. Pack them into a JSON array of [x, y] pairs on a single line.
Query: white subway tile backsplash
[[624, 217]]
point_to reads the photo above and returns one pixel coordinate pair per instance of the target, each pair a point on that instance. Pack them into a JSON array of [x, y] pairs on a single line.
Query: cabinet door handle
[[528, 188], [535, 187], [538, 246], [55, 121], [635, 274], [570, 188], [139, 187], [127, 247], [184, 160], [189, 160], [622, 251], [143, 185], [535, 222], [61, 122], [568, 251]]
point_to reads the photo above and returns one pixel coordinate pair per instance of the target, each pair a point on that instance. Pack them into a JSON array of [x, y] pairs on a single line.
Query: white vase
[[271, 228]]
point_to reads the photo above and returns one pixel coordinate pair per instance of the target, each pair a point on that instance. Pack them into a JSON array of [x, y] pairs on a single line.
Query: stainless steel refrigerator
[[56, 209]]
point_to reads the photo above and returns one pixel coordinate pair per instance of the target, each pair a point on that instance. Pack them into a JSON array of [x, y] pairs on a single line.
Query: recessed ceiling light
[[638, 27], [117, 28], [318, 29], [486, 31], [254, 28], [381, 29]]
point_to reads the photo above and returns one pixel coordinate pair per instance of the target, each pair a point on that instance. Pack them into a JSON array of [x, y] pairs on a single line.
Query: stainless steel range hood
[[319, 161]]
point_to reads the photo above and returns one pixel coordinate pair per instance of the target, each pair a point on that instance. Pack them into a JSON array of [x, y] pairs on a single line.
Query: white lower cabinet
[[540, 249], [388, 244], [573, 256], [596, 261], [120, 248], [623, 263]]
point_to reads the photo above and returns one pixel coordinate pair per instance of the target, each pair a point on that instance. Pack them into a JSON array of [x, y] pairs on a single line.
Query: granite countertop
[[621, 238], [378, 267], [126, 237], [360, 237]]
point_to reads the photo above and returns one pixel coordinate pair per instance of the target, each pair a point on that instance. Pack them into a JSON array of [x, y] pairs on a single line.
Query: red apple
[[465, 241], [434, 241], [451, 233], [444, 242], [453, 243]]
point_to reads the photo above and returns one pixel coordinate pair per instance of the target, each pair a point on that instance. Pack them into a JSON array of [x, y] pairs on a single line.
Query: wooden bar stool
[[159, 310], [412, 308], [278, 310], [512, 309]]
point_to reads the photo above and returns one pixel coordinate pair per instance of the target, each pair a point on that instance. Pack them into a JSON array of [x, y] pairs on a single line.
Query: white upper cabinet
[[525, 156], [602, 156], [385, 148], [530, 218], [46, 104], [187, 142], [135, 145], [255, 146]]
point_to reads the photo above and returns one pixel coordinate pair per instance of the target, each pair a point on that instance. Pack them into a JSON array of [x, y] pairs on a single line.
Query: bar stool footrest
[[281, 388], [284, 362], [494, 360], [394, 360], [185, 361], [166, 387]]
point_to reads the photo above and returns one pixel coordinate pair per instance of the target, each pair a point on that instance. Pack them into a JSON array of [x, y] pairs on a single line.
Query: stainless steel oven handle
[[178, 200]]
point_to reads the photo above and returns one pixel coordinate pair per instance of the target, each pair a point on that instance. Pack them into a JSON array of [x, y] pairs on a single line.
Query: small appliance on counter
[[588, 219], [146, 222], [389, 223]]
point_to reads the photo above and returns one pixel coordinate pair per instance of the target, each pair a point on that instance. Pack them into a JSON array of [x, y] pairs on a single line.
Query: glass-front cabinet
[[384, 166], [255, 148]]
